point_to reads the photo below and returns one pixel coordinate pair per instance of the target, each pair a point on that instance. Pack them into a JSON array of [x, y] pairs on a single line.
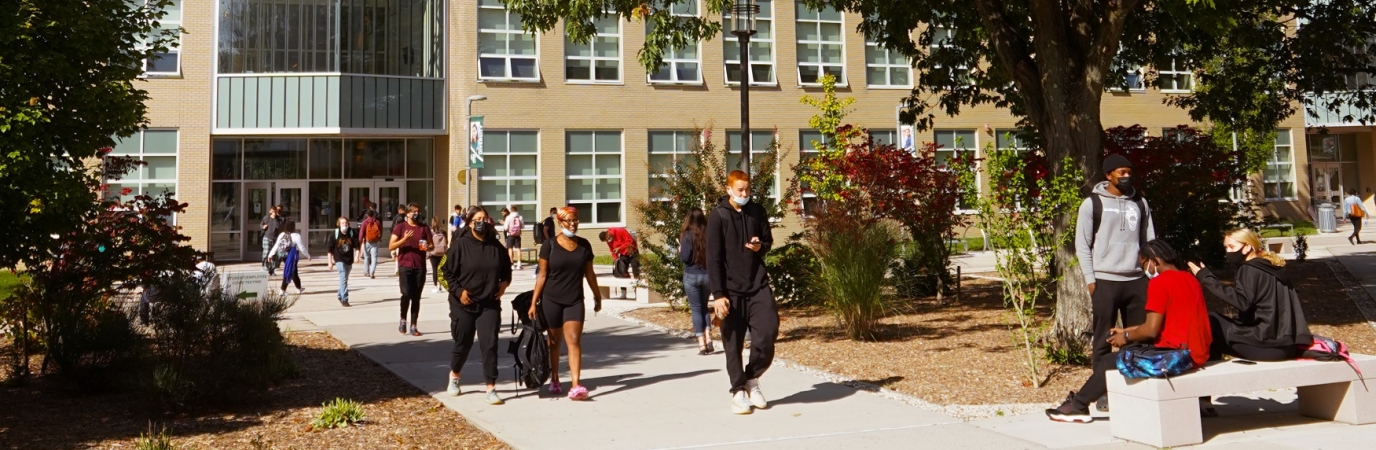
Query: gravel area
[[39, 415]]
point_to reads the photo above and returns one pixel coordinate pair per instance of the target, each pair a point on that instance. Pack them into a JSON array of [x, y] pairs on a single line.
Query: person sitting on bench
[[1270, 324]]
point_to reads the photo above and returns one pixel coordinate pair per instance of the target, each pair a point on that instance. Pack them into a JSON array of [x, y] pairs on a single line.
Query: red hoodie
[[620, 242]]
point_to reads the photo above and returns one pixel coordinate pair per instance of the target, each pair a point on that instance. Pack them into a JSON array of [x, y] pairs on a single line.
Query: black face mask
[[1234, 258], [482, 228], [1125, 184]]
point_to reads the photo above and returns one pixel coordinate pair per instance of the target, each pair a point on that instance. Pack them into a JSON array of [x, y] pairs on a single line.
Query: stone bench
[[1165, 413], [641, 292]]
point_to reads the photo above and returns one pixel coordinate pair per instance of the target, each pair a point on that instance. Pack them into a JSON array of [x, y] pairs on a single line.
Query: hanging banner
[[475, 142]]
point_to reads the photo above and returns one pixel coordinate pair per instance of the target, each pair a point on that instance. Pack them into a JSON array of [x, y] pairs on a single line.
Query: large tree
[[69, 70], [1050, 62]]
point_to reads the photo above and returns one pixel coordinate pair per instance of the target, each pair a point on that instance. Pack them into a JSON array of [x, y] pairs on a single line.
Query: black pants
[[759, 315], [1222, 328], [1097, 384], [435, 269], [295, 278], [412, 285], [1111, 301], [463, 325], [1356, 228]]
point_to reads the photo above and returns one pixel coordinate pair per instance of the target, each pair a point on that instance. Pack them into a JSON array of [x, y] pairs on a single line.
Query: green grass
[[603, 260], [1302, 228], [152, 441], [339, 414]]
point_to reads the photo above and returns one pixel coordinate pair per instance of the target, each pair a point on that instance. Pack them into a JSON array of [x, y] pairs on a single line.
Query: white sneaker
[[493, 399], [740, 404], [300, 291], [453, 390], [438, 289], [756, 396]]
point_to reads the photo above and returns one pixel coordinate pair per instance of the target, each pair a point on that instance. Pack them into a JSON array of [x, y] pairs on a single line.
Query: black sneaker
[[1070, 411], [1102, 404]]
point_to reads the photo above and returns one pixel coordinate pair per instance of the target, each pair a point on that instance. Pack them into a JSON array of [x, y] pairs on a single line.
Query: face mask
[[481, 228], [343, 228], [1234, 258], [567, 232], [1124, 184], [1155, 272], [740, 201]]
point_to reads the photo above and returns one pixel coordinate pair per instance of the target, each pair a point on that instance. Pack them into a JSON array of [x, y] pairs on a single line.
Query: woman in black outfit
[[692, 250], [479, 271], [565, 262], [1270, 325]]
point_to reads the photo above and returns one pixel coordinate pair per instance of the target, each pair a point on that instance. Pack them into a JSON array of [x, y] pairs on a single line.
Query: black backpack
[[531, 347]]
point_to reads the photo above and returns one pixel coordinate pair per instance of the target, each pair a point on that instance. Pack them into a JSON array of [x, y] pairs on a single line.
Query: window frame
[[590, 218], [173, 49], [1172, 73], [593, 59], [507, 179], [888, 67], [754, 151], [730, 59], [972, 147], [1273, 162], [142, 182], [942, 43], [507, 57], [671, 59], [674, 156], [817, 21]]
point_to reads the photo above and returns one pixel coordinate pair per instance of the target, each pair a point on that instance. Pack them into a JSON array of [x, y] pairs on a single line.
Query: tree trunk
[[1082, 141]]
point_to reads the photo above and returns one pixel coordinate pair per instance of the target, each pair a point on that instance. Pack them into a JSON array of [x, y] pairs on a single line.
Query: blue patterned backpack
[[1146, 361]]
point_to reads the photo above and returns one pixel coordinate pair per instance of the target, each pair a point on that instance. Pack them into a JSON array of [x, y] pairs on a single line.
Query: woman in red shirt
[[1176, 319]]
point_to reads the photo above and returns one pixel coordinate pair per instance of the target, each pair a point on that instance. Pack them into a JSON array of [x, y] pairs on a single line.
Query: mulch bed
[[42, 415], [963, 353]]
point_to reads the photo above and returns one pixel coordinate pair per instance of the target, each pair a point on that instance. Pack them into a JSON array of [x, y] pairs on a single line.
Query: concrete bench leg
[[1167, 423], [1349, 402]]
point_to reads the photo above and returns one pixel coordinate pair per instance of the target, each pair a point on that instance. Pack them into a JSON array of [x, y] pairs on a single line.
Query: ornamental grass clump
[[853, 258], [339, 413]]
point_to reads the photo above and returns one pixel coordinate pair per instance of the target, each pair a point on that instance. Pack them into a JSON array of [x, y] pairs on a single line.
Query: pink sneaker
[[554, 388], [578, 393]]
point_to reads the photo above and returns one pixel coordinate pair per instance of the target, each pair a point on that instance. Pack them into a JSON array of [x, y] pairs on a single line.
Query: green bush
[[151, 441], [853, 258], [339, 414], [793, 271], [914, 272]]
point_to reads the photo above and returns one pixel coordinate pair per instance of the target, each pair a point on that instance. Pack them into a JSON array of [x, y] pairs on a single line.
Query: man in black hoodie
[[738, 237]]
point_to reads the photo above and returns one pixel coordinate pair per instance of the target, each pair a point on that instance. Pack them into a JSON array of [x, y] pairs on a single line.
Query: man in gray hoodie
[[1113, 223]]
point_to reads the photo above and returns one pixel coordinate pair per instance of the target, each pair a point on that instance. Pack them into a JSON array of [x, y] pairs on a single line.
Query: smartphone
[[1245, 362]]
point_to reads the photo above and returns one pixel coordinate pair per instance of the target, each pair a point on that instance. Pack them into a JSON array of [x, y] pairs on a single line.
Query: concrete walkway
[[652, 390]]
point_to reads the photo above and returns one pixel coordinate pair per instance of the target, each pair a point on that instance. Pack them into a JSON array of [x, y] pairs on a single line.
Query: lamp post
[[743, 14], [468, 115]]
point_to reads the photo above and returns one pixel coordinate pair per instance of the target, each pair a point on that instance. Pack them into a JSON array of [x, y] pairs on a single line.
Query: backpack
[[1098, 204], [1146, 361], [1328, 349], [516, 224], [531, 347], [372, 230]]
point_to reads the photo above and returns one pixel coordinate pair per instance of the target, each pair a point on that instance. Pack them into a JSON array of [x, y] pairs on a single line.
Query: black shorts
[[556, 314], [513, 241]]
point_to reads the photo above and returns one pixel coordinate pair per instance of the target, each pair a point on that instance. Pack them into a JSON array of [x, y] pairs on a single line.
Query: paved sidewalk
[[652, 390]]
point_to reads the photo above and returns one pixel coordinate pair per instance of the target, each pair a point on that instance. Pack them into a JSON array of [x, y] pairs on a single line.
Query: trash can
[[1328, 223]]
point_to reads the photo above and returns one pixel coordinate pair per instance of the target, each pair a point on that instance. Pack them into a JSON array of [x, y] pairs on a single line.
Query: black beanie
[[1114, 161]]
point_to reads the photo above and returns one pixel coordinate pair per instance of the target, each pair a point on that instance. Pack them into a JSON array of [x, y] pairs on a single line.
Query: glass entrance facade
[[315, 180]]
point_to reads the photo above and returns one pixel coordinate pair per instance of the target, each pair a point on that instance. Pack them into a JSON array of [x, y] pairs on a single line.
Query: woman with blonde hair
[[1270, 323]]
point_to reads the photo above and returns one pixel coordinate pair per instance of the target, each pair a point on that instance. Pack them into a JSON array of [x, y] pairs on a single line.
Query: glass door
[[291, 195], [357, 196], [390, 195], [1328, 183], [259, 197]]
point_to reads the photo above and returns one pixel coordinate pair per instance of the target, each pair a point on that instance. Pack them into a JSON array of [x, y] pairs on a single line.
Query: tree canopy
[[69, 69]]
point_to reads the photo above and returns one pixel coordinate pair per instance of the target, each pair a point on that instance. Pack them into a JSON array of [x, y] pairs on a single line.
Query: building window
[[505, 51], [760, 141], [1279, 175], [511, 171], [807, 149], [681, 65], [942, 38], [598, 61], [886, 69], [1173, 76], [1133, 81], [952, 143], [761, 48], [158, 176], [821, 47], [168, 62], [1009, 139], [594, 175], [667, 149]]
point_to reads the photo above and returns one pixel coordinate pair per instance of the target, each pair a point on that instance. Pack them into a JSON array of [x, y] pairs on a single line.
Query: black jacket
[[733, 269], [1269, 308], [479, 267]]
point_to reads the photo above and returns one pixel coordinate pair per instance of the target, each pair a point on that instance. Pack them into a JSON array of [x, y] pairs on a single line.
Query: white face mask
[[1154, 272], [567, 232], [740, 201]]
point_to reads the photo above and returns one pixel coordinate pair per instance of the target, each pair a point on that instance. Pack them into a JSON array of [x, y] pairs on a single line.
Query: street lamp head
[[474, 98], [743, 14]]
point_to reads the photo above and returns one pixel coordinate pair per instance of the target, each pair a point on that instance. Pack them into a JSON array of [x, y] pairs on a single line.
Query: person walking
[[565, 262], [410, 240], [343, 253], [514, 225], [1356, 213], [294, 246], [738, 237], [437, 251], [479, 272], [456, 219], [1270, 324], [692, 250], [1176, 318], [397, 220], [271, 225], [1114, 223], [370, 232]]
